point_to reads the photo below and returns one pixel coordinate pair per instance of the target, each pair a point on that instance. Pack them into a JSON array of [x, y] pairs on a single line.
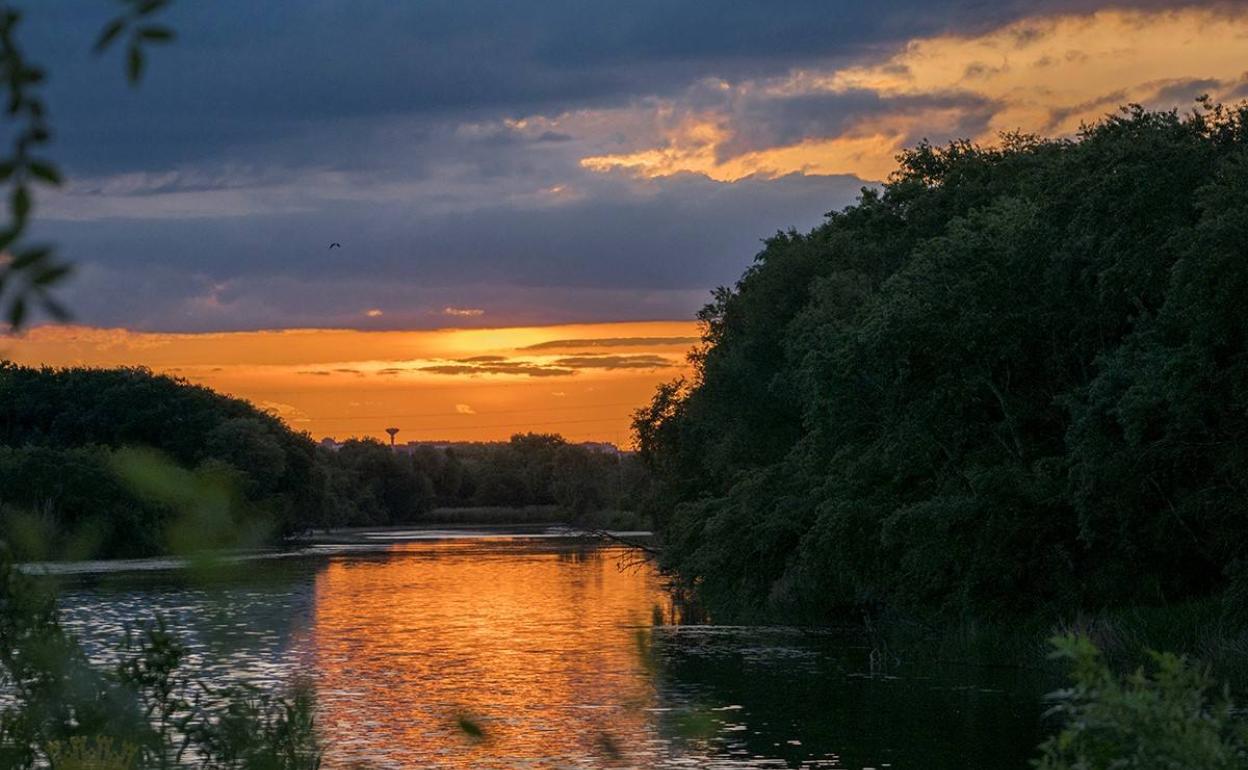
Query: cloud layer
[[491, 163], [452, 383], [1042, 74]]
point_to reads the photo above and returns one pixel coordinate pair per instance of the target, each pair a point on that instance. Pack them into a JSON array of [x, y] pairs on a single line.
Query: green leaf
[[109, 34], [6, 169], [54, 308], [156, 34], [20, 203], [45, 171], [51, 275], [151, 6], [470, 727], [134, 64], [31, 257], [17, 312]]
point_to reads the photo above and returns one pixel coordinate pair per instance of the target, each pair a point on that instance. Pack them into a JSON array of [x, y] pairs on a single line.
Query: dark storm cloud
[[685, 236], [590, 361], [206, 199], [1185, 90], [1239, 90], [771, 122], [246, 77], [1106, 103], [560, 367], [611, 342], [519, 367]]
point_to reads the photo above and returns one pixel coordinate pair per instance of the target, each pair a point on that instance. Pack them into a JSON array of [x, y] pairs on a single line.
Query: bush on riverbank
[[1013, 380], [1165, 717]]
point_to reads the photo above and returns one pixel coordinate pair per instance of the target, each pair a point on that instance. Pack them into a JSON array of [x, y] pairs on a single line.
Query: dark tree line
[[68, 485], [370, 484], [1013, 379]]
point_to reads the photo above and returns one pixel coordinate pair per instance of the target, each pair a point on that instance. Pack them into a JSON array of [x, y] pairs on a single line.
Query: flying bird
[[335, 245]]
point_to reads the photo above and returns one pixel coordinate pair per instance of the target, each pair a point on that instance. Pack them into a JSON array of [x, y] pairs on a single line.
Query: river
[[566, 654]]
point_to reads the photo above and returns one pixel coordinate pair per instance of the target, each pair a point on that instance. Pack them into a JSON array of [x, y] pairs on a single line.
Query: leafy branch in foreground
[[138, 29], [147, 708], [28, 272], [1163, 719]]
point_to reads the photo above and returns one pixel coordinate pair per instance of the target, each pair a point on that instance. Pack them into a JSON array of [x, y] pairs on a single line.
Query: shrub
[[1166, 718]]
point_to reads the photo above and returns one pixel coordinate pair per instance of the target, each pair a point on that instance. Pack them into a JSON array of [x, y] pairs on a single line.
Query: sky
[[582, 381], [500, 165]]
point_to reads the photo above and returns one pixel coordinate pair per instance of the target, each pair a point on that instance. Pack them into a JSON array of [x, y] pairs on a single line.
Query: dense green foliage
[[1162, 719], [542, 469], [60, 431], [370, 484], [222, 473], [1015, 378]]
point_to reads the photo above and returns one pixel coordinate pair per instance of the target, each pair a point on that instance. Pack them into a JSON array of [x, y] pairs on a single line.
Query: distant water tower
[[392, 431]]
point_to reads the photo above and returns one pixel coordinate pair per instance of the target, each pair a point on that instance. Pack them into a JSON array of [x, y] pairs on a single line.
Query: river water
[[565, 654]]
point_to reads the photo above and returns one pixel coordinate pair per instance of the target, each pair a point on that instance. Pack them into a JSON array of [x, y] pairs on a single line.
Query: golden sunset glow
[[683, 385], [582, 381], [869, 150], [497, 618], [1045, 75]]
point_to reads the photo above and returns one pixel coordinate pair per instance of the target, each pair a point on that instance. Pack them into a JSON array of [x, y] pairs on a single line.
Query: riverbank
[[347, 540], [1211, 631], [550, 515], [400, 533]]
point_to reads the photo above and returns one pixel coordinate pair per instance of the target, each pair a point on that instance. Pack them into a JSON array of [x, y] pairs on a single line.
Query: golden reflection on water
[[538, 646]]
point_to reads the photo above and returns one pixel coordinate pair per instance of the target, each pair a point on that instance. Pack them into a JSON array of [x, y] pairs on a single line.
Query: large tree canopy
[[1014, 378]]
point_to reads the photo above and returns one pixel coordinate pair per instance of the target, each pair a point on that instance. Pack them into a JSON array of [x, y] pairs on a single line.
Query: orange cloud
[[454, 384], [1042, 75], [867, 149], [1051, 74]]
